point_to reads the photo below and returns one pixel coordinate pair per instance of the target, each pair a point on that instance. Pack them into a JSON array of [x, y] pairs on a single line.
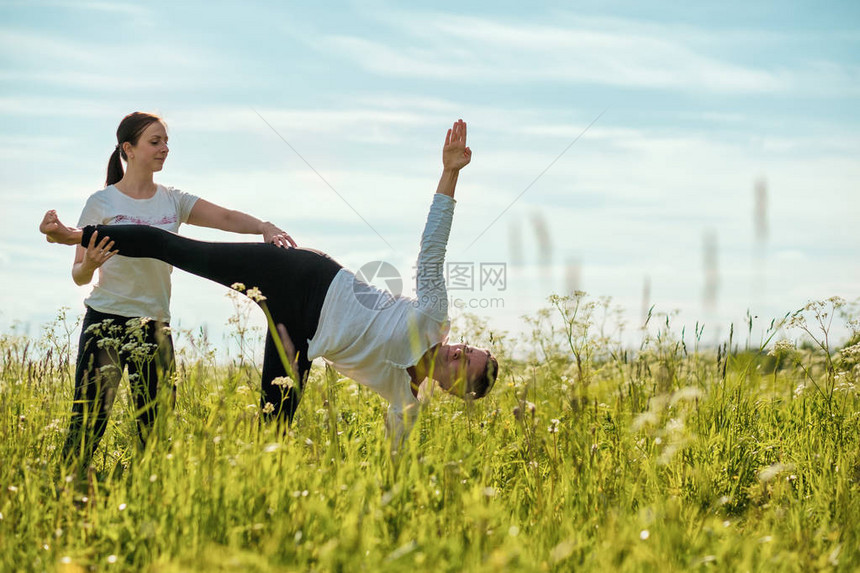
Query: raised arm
[[430, 277], [206, 214]]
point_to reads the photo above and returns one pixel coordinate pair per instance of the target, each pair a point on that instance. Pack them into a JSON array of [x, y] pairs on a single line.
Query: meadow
[[588, 455]]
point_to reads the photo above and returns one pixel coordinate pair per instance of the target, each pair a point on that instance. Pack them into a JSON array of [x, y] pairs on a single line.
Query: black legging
[[108, 344], [294, 282]]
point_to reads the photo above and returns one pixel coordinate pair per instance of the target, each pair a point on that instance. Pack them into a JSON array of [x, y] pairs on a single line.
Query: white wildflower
[[644, 419], [851, 353], [688, 393], [781, 348], [268, 408], [836, 301], [284, 382], [561, 551], [668, 453], [771, 472], [238, 286], [255, 295], [833, 558]]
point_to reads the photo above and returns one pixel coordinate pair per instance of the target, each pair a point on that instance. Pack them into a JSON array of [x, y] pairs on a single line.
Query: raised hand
[[455, 154]]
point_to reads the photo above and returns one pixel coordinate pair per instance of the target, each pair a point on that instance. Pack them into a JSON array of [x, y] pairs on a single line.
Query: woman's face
[[151, 149]]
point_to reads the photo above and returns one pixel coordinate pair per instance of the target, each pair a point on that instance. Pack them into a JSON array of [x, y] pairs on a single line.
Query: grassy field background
[[586, 456]]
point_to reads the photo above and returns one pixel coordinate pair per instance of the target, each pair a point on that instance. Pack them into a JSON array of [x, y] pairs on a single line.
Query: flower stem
[[273, 330]]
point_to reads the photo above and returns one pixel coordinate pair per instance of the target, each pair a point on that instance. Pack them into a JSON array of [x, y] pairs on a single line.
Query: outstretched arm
[[206, 214], [455, 156]]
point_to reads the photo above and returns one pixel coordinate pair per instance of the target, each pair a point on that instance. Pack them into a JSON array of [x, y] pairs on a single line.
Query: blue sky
[[697, 104]]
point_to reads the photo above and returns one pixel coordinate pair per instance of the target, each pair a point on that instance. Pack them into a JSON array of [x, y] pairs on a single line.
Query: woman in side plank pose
[[390, 344]]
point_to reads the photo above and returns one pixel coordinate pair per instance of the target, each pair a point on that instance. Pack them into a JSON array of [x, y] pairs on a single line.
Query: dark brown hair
[[130, 129], [485, 382]]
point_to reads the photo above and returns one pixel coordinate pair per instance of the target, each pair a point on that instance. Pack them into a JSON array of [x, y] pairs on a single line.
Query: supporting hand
[[272, 234], [98, 252]]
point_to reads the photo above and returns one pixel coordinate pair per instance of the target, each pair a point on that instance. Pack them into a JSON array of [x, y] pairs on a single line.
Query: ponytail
[[114, 168], [130, 129]]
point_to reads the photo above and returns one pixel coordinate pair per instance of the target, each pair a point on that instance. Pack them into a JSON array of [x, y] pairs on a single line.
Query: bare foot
[[56, 232]]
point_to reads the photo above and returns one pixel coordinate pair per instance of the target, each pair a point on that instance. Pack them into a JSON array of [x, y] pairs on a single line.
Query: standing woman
[[129, 307]]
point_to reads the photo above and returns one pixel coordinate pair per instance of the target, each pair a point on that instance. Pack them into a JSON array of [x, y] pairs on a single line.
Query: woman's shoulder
[[110, 189], [102, 196], [173, 192], [168, 189]]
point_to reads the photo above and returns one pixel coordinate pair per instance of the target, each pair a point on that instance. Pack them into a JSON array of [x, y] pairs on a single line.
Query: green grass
[[586, 456]]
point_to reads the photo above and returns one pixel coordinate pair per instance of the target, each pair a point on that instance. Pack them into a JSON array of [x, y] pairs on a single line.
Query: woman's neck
[[137, 185]]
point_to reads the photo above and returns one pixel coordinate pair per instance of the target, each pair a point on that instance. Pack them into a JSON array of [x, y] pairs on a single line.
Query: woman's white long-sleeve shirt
[[372, 336]]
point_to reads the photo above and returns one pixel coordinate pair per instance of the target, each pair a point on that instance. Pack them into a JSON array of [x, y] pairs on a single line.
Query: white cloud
[[41, 106], [127, 9], [30, 46], [596, 51], [101, 64], [349, 122], [108, 82], [478, 49]]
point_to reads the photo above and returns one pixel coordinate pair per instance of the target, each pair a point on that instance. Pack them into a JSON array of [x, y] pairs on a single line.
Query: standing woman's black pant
[[294, 282], [108, 344]]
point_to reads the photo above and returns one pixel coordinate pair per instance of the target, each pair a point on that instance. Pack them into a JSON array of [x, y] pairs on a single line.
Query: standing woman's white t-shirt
[[135, 287]]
